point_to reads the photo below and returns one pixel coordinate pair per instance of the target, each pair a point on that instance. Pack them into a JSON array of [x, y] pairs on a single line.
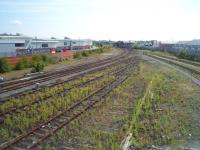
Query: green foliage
[[99, 51], [77, 55], [85, 53], [46, 59], [39, 112], [24, 63], [38, 62], [37, 67], [183, 54], [4, 66]]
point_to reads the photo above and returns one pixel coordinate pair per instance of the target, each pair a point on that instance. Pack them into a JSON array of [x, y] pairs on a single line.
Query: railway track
[[16, 84], [16, 110], [182, 60], [41, 132], [123, 59], [174, 63]]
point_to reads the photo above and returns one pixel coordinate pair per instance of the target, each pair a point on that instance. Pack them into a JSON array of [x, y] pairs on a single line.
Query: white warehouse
[[11, 45]]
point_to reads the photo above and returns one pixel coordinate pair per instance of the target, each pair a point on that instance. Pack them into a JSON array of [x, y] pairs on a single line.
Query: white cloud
[[16, 22]]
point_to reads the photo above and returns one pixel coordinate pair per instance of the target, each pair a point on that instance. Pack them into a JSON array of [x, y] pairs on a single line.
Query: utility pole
[[79, 43], [36, 42]]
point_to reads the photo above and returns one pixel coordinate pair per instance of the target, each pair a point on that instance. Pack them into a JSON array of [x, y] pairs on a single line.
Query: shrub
[[46, 59], [24, 63], [36, 58], [85, 54], [99, 51], [4, 66], [37, 67], [183, 54], [19, 66], [77, 55]]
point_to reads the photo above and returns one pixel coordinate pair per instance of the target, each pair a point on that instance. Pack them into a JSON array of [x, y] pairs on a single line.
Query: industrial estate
[[75, 94], [13, 45], [18, 44]]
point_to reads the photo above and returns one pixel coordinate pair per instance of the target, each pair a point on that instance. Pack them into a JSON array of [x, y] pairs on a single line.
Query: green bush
[[36, 58], [37, 67], [85, 53], [24, 63], [4, 66], [99, 51], [46, 59], [77, 55], [19, 66], [183, 54]]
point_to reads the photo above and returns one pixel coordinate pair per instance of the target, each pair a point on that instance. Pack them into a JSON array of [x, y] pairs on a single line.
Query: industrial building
[[146, 44], [12, 45]]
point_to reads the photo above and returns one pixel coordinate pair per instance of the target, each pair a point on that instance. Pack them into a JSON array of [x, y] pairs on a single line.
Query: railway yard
[[127, 100]]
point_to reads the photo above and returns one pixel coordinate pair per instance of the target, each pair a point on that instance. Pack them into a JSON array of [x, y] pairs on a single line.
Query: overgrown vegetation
[[145, 128], [4, 66], [24, 63], [159, 106], [51, 91], [39, 61], [37, 67], [102, 127], [183, 54], [80, 54], [19, 123], [162, 117]]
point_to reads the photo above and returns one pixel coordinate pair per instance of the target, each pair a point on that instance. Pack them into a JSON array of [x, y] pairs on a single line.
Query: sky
[[163, 20]]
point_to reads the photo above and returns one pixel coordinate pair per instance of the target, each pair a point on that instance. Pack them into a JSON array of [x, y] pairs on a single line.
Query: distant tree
[[53, 38], [182, 53], [18, 34]]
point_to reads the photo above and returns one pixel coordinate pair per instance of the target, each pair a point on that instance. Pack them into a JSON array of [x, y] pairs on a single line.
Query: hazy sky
[[103, 19]]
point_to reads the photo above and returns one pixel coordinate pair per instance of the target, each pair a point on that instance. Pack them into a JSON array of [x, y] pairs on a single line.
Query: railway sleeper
[[26, 143], [77, 112], [55, 124], [64, 117], [57, 121], [22, 145], [16, 148], [39, 133], [46, 129], [33, 138]]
